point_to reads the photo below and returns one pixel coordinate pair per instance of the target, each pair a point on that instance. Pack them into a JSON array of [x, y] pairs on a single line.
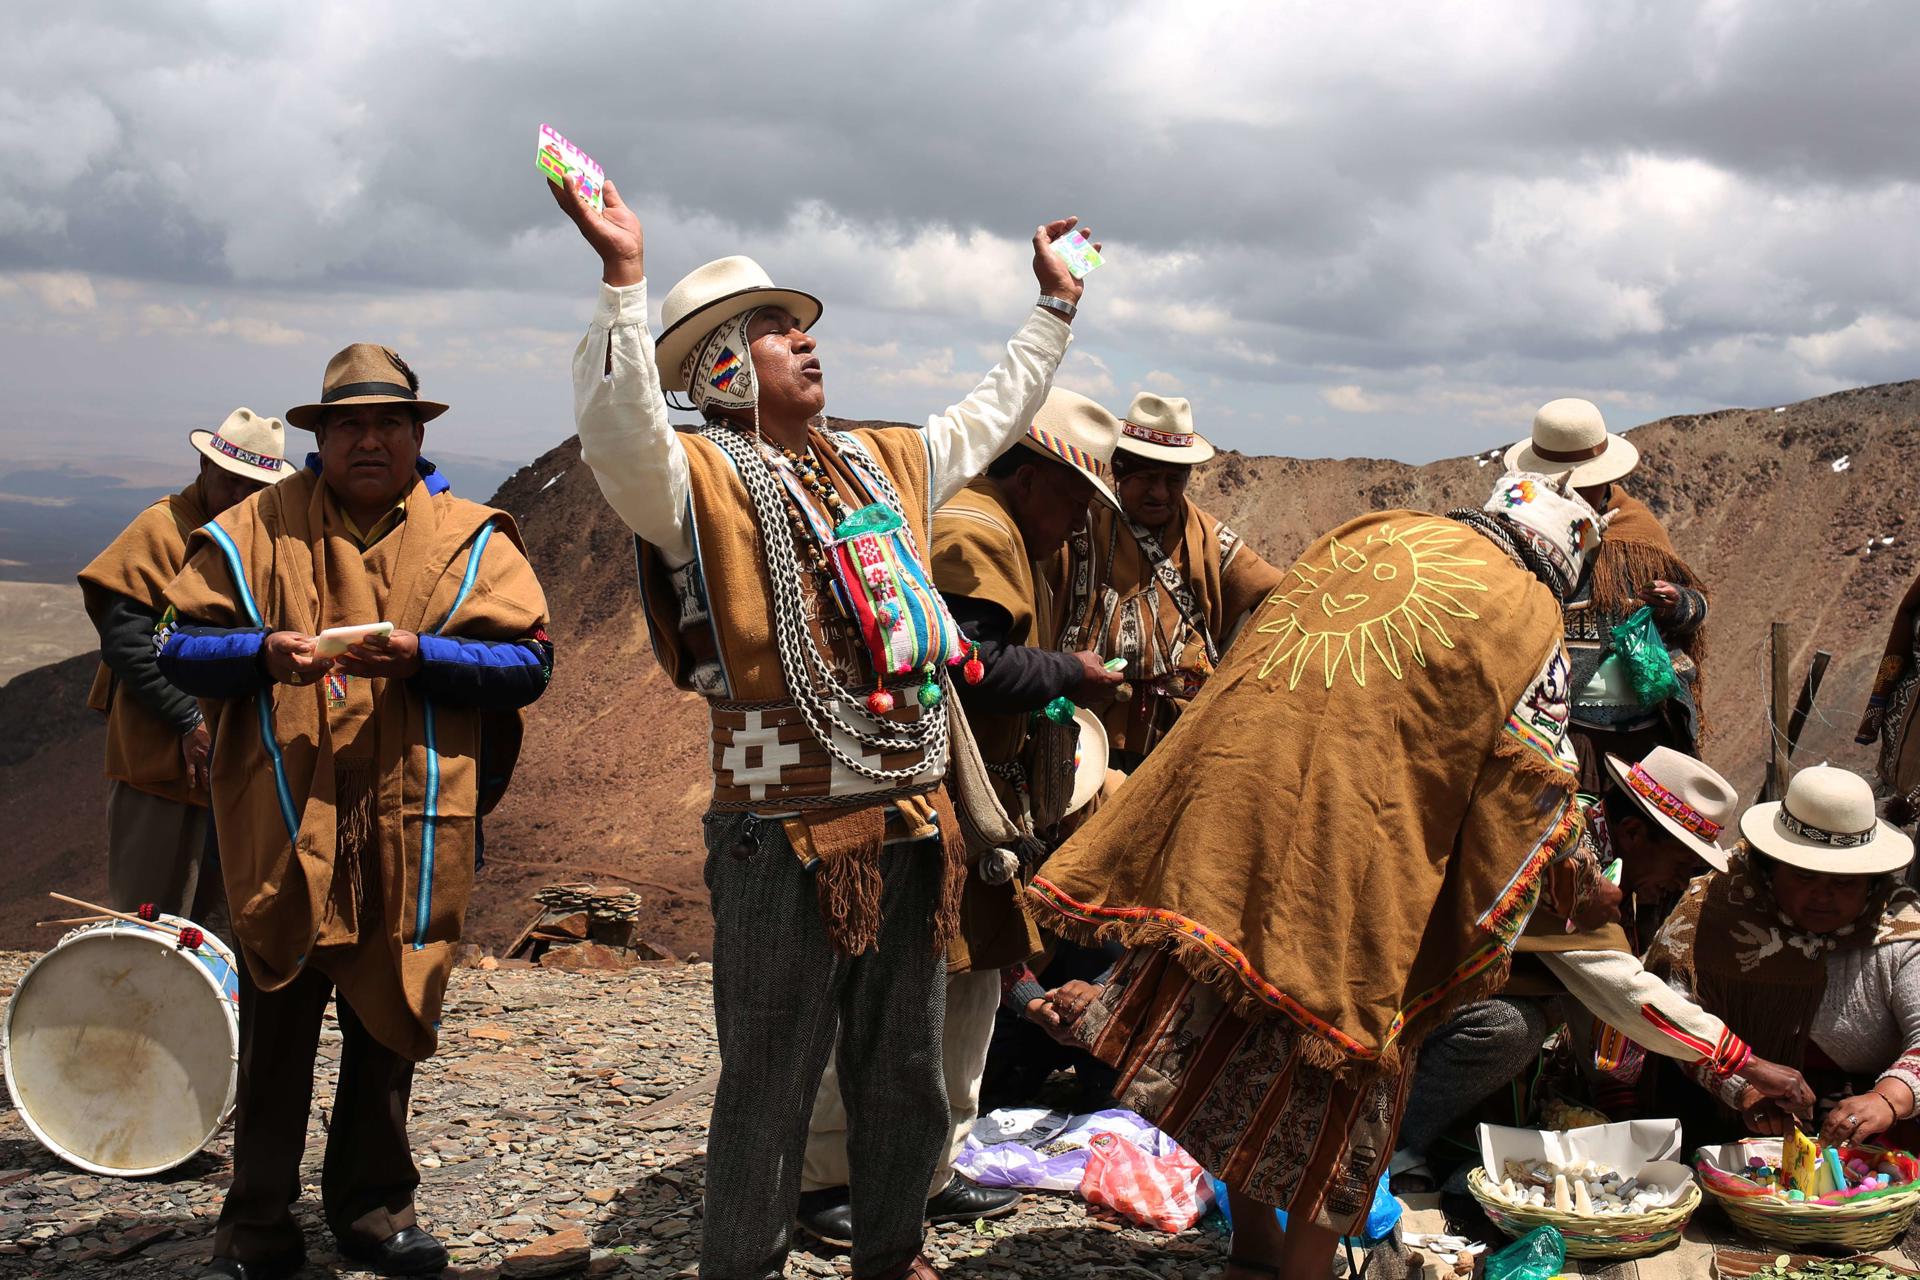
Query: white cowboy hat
[[1072, 429], [1570, 435], [1692, 802], [1827, 823], [1161, 428], [706, 298], [1089, 760], [247, 445]]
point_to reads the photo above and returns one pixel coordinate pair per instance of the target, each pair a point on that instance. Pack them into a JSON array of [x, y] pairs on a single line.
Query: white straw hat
[[1161, 428], [1089, 759], [1692, 802], [708, 297], [247, 445], [1570, 435], [1827, 823], [1072, 429]]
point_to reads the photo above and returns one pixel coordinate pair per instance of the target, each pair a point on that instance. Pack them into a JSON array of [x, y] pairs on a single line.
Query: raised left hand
[[1050, 269], [395, 656], [1857, 1119]]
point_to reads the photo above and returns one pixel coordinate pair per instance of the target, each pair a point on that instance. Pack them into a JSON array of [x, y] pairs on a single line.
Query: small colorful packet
[[560, 160], [1081, 257]]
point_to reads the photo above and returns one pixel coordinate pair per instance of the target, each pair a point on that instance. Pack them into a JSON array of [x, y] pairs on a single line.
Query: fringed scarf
[[1742, 959]]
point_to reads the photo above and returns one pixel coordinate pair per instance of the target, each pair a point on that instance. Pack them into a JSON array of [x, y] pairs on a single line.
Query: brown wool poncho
[[141, 750], [354, 892], [1349, 826]]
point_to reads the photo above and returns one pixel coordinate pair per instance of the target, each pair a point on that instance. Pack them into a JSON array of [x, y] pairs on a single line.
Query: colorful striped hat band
[[719, 369], [1067, 451], [1671, 805]]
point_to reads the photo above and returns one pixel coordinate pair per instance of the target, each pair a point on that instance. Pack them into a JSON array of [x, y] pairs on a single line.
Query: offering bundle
[[1795, 1192], [1584, 1189]]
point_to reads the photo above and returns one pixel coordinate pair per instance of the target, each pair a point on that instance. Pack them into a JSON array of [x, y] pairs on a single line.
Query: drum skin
[[120, 1047]]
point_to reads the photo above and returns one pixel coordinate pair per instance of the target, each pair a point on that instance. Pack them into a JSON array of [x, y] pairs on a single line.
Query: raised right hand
[[614, 232], [291, 659]]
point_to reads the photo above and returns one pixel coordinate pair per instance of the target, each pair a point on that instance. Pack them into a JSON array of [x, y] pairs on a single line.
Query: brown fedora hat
[[365, 373]]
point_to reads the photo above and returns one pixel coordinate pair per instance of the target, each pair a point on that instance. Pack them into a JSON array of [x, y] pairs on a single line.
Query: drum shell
[[120, 1047]]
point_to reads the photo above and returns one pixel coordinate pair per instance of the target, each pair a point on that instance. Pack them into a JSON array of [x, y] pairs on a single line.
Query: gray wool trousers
[[782, 999], [1463, 1060]]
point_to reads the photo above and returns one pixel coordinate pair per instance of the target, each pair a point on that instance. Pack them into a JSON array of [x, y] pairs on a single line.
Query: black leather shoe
[[827, 1216], [279, 1268], [964, 1201], [407, 1252]]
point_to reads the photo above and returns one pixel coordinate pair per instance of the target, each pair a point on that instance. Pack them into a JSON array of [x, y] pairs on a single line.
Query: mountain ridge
[[615, 773]]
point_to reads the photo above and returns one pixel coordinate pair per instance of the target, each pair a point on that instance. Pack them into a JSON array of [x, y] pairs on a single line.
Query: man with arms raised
[[784, 573], [348, 791]]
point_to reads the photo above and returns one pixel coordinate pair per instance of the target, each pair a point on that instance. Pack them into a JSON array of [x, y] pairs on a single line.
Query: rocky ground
[[539, 1155]]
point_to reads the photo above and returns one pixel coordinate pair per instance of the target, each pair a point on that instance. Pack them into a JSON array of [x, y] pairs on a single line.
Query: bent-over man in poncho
[[1342, 839]]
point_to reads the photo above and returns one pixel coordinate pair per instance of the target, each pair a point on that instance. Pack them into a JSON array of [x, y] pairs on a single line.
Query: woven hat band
[[1832, 839], [1067, 451], [1172, 439], [247, 456], [1691, 819], [1570, 455]]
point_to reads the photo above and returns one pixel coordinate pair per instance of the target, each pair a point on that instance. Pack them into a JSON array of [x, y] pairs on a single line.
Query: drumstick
[[111, 914], [48, 924]]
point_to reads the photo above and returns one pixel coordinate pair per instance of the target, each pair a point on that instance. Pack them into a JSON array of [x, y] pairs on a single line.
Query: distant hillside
[[614, 777]]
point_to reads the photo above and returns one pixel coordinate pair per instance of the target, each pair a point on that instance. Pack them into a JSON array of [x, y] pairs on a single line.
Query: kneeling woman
[[1808, 946]]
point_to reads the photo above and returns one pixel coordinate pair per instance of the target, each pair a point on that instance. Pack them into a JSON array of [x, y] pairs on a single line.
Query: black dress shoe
[[279, 1268], [827, 1216], [964, 1201], [407, 1252]]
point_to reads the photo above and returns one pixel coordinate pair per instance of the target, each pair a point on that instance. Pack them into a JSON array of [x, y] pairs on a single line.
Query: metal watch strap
[[1060, 305]]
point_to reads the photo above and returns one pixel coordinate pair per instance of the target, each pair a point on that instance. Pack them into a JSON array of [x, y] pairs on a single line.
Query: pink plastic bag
[[1167, 1192]]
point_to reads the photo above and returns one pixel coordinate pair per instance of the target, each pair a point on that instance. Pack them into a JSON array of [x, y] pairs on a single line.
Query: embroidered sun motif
[[1379, 602]]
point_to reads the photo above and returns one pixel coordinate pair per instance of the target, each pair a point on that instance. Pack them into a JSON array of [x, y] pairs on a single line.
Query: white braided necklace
[[828, 706]]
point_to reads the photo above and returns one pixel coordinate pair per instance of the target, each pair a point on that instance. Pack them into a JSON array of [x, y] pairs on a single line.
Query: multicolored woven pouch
[[885, 587]]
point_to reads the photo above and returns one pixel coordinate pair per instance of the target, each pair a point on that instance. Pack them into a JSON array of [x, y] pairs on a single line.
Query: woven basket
[[1859, 1225], [1614, 1235]]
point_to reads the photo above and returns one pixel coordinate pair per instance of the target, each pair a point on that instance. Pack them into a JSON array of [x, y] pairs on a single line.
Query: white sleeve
[[1616, 988], [971, 434], [622, 417]]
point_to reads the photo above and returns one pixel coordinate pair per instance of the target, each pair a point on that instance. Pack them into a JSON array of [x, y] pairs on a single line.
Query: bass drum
[[121, 1046]]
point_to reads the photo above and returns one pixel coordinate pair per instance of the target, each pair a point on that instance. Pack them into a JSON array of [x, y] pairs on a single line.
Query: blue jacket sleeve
[[212, 662], [492, 675]]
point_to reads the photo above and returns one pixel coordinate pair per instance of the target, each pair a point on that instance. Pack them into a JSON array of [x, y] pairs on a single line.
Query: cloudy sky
[[1340, 229]]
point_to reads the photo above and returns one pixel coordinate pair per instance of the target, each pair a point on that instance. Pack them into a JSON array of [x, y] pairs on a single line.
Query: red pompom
[[975, 671], [880, 702], [147, 911], [190, 938]]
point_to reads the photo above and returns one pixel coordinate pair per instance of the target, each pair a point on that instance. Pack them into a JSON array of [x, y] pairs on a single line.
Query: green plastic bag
[[1538, 1255], [1637, 643]]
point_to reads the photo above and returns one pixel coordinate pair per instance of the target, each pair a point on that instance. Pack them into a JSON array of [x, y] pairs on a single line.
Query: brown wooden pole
[[1779, 654]]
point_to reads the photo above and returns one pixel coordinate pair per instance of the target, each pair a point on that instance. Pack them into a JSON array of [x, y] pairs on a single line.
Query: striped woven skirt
[[1236, 1093]]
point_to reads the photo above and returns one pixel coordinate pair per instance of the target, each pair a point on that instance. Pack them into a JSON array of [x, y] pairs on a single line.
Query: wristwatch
[[1060, 306]]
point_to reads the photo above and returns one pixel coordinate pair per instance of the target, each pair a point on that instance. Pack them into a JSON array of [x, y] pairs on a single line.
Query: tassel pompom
[[880, 702]]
